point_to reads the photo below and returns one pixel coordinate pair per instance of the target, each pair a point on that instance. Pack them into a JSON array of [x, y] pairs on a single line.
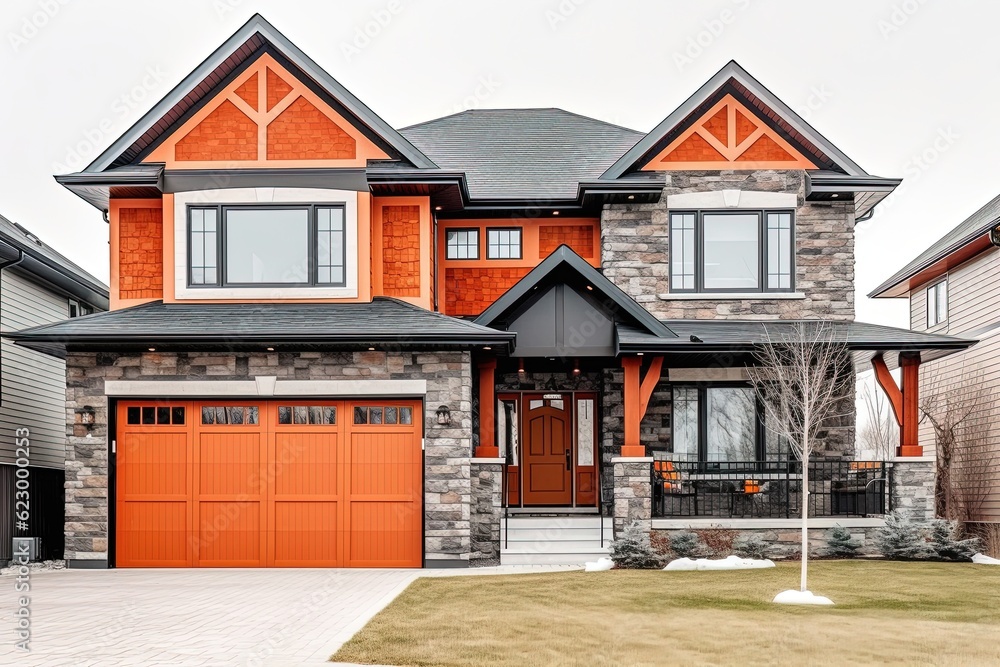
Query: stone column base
[[487, 508], [913, 486], [633, 492]]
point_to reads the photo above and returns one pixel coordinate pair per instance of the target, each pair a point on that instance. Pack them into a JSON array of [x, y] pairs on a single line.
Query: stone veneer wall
[[635, 251], [913, 487], [487, 509], [633, 493], [447, 485], [787, 542]]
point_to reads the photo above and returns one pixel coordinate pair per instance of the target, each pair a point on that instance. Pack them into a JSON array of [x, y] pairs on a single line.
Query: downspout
[[435, 281]]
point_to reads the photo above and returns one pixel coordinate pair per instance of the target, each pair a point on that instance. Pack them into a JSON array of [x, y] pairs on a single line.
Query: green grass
[[885, 613]]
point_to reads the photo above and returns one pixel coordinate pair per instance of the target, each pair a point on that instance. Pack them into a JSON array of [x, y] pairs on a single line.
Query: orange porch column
[[487, 405], [909, 443], [637, 392]]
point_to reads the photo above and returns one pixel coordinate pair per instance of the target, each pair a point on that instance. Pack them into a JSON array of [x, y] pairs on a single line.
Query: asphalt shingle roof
[[522, 153]]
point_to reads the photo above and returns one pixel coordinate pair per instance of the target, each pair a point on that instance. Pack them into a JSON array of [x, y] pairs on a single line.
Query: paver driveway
[[194, 617]]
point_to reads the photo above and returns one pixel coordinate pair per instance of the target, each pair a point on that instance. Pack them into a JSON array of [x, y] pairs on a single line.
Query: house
[[38, 286], [483, 337], [953, 289]]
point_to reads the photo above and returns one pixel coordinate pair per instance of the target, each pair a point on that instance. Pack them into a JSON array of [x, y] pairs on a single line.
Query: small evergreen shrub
[[751, 546], [841, 544], [685, 544], [946, 545], [633, 551], [902, 539]]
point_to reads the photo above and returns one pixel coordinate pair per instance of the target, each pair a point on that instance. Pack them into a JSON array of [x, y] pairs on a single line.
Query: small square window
[[462, 244], [177, 415], [163, 415], [149, 415], [133, 416], [406, 415], [503, 243], [360, 415]]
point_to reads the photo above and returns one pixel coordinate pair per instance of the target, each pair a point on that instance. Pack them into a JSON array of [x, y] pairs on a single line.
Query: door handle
[[569, 459]]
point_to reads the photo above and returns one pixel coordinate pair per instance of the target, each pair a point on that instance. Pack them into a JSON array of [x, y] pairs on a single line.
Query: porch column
[[487, 405], [637, 395], [909, 442]]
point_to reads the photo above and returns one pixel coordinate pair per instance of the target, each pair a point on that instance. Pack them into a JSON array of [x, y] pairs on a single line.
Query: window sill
[[731, 296]]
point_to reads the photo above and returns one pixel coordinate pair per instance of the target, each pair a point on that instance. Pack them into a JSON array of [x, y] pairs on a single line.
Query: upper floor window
[[462, 244], [731, 251], [937, 303], [295, 245], [79, 309], [503, 243]]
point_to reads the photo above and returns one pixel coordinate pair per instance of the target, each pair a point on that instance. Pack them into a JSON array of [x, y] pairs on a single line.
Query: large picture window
[[266, 245], [731, 251], [719, 424]]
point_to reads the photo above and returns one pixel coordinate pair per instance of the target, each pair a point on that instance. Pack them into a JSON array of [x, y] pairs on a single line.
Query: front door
[[547, 450]]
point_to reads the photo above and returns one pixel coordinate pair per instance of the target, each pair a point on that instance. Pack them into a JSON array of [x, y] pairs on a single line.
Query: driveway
[[194, 617]]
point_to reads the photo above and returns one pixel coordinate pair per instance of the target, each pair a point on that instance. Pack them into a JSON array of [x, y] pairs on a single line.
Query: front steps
[[553, 539]]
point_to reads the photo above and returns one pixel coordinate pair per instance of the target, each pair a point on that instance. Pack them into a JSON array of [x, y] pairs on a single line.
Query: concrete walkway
[[273, 617]]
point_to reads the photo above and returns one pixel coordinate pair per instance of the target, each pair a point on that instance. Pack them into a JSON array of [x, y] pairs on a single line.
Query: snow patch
[[729, 563], [600, 565], [985, 560], [801, 597]]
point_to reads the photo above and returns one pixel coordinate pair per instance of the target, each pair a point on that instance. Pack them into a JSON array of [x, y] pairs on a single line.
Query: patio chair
[[668, 482]]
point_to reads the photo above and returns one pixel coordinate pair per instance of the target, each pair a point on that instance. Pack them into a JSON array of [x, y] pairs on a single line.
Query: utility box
[[32, 546]]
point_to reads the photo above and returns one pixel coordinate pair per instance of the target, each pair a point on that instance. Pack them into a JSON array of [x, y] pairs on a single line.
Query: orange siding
[[302, 132], [401, 250], [249, 92], [277, 89], [471, 291], [136, 250], [578, 237], [226, 134]]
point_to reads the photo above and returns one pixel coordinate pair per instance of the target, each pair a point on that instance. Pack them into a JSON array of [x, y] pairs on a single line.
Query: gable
[[728, 136], [265, 117], [565, 321]]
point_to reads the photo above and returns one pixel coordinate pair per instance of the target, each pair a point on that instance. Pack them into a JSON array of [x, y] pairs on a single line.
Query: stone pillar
[[633, 492], [913, 486], [487, 510]]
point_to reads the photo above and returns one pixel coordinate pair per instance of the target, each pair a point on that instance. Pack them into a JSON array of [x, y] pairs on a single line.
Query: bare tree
[[803, 374], [961, 409], [880, 432]]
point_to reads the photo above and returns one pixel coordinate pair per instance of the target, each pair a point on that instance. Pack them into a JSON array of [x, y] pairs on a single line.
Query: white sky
[[887, 81]]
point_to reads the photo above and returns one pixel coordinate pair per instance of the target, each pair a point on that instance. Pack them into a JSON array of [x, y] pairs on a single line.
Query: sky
[[903, 87]]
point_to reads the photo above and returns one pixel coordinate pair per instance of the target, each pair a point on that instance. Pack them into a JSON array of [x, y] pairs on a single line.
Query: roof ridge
[[558, 109]]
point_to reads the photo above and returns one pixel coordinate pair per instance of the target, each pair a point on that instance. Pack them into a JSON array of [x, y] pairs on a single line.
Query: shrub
[[685, 544], [901, 539], [633, 551], [718, 541], [841, 544], [946, 545], [751, 546]]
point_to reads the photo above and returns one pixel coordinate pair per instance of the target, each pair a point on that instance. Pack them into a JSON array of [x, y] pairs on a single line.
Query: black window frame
[[760, 427], [520, 242], [927, 303], [762, 251], [222, 231], [447, 248]]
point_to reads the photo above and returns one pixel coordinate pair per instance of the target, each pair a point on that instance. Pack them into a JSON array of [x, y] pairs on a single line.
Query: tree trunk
[[805, 507]]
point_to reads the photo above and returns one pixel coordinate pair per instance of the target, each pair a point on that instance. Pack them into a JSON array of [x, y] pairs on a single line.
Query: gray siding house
[[37, 286]]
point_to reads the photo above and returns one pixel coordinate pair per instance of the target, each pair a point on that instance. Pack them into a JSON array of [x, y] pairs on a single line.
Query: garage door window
[[307, 414], [155, 414], [383, 414], [231, 415]]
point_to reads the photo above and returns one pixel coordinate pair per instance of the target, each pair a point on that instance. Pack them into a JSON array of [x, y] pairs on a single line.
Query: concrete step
[[555, 522], [551, 546], [554, 534], [573, 558]]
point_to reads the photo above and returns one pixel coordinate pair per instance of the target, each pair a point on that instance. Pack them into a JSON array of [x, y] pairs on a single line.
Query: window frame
[[449, 230], [763, 248], [933, 289], [520, 242], [77, 308], [222, 224]]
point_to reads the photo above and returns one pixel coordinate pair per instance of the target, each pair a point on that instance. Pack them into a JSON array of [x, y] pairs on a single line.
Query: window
[[78, 309], [162, 415], [722, 424], [731, 251], [237, 414], [507, 436], [266, 245], [383, 414], [937, 303], [462, 244], [307, 414], [503, 244]]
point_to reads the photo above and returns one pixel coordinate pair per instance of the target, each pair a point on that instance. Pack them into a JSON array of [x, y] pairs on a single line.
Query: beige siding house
[[954, 289]]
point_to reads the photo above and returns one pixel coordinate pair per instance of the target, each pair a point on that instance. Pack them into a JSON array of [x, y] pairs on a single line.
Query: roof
[[970, 229], [522, 153], [45, 263], [254, 326], [553, 268], [245, 45]]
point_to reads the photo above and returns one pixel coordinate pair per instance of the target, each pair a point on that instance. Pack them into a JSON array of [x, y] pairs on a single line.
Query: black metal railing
[[768, 489]]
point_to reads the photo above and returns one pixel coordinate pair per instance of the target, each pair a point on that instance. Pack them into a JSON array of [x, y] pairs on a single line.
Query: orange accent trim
[[637, 396], [943, 266], [649, 384], [888, 384], [705, 145], [487, 409], [909, 435], [248, 92]]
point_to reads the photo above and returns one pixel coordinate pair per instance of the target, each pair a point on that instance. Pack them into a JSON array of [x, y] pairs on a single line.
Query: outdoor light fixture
[[487, 347], [576, 367], [438, 208], [270, 349], [152, 349], [443, 415], [555, 212], [631, 196], [520, 366], [86, 416], [995, 236], [371, 349]]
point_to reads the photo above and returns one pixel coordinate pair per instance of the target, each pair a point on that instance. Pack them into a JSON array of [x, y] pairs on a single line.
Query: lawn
[[886, 613]]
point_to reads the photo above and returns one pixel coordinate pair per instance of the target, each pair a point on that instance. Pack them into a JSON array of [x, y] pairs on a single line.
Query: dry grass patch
[[886, 613]]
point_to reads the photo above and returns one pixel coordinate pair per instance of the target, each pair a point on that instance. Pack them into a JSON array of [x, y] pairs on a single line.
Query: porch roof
[[184, 326]]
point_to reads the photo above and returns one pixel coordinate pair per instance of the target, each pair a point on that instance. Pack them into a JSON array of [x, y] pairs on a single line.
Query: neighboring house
[[335, 343], [38, 286], [954, 288]]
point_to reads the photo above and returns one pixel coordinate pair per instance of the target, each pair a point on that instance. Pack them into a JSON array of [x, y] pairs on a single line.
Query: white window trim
[[717, 199], [263, 386], [940, 324], [348, 198]]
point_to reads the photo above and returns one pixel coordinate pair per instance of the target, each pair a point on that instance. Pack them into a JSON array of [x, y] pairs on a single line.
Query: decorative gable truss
[[728, 136], [266, 117]]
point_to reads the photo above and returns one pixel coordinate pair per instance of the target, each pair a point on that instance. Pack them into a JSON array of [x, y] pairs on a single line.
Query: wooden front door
[[547, 451]]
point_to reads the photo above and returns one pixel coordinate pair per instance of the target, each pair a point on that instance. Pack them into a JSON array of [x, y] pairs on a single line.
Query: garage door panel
[[154, 464], [229, 533], [384, 534], [306, 534], [384, 464], [230, 463], [153, 533], [305, 463]]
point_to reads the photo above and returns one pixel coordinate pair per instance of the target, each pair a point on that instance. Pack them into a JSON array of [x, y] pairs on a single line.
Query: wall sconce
[[86, 416], [443, 415], [520, 366]]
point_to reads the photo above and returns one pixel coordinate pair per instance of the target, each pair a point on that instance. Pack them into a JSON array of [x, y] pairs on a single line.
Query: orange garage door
[[268, 484]]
